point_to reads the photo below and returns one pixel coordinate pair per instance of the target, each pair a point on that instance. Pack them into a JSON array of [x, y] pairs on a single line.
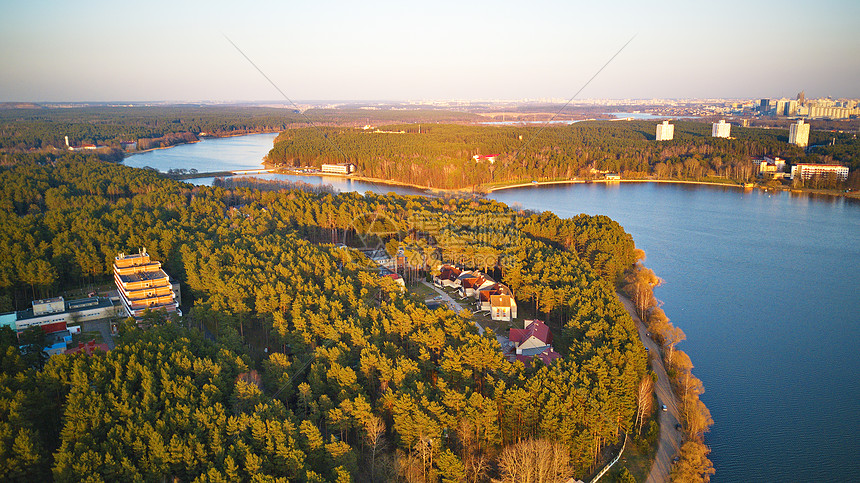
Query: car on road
[[676, 459], [663, 407], [647, 350]]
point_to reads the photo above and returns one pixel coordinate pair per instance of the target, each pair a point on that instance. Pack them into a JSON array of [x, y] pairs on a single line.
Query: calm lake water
[[764, 285], [244, 152], [766, 288], [210, 154]]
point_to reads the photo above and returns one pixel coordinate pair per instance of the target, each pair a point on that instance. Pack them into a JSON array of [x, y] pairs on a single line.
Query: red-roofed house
[[448, 276], [471, 284], [534, 340]]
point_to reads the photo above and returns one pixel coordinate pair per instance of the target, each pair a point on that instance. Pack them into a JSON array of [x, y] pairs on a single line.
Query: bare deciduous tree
[[535, 461], [645, 400]]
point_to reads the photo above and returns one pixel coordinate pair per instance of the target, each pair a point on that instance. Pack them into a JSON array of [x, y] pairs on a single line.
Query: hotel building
[[142, 284], [343, 168]]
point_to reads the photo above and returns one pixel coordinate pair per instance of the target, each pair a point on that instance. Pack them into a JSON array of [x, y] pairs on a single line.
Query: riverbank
[[669, 443]]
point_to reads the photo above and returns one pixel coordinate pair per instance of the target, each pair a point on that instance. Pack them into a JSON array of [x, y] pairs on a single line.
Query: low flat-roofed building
[[73, 313], [57, 342]]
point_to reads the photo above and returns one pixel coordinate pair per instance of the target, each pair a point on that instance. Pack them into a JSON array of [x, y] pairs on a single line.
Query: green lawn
[[422, 291]]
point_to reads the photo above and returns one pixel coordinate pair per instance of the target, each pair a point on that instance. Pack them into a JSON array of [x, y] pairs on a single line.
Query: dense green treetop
[[355, 371]]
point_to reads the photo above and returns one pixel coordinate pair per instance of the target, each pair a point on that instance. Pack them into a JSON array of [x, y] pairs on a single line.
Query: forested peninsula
[[357, 381], [457, 156]]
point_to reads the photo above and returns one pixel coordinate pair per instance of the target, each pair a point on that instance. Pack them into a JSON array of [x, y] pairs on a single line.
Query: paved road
[[670, 438], [453, 304], [103, 326]]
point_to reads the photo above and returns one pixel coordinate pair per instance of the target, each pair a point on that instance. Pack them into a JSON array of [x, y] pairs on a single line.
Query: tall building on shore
[[798, 134], [721, 129], [142, 284], [665, 131]]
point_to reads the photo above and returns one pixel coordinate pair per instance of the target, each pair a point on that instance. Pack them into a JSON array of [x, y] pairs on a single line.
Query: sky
[[111, 51]]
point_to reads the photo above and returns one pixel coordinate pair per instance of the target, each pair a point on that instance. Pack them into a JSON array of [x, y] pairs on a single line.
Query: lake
[[208, 155], [244, 152], [765, 285]]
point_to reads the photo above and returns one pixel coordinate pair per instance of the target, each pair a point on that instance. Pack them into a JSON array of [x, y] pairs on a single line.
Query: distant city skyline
[[98, 51]]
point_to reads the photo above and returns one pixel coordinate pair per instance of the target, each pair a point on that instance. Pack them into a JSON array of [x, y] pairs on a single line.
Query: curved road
[[670, 438]]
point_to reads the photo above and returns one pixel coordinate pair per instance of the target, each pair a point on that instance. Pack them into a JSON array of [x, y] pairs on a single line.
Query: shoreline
[[807, 191], [609, 181], [366, 179], [483, 189], [200, 139]]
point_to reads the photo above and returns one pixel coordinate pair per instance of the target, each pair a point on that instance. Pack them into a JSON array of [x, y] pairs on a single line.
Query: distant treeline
[[161, 126], [442, 156]]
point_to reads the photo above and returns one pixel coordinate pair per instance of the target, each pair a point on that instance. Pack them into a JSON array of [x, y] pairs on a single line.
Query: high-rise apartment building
[[721, 129], [798, 134], [665, 131]]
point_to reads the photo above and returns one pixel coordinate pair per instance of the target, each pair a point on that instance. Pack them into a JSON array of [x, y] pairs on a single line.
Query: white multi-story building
[[665, 131], [798, 134], [807, 171], [142, 284], [343, 168], [721, 129]]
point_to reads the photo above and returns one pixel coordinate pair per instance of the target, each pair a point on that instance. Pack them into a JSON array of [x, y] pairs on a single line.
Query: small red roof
[[548, 356], [89, 348], [536, 328]]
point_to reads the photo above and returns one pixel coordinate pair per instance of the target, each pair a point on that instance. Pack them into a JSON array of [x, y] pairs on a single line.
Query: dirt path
[[670, 438]]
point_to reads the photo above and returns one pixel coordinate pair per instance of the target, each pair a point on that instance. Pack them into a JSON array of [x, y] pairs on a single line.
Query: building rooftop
[[70, 306], [143, 276], [48, 301]]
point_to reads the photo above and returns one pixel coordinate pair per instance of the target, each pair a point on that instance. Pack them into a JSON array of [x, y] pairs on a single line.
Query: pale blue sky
[[160, 50]]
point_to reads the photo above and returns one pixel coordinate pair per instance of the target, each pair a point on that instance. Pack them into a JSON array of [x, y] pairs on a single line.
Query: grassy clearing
[[422, 291], [84, 337]]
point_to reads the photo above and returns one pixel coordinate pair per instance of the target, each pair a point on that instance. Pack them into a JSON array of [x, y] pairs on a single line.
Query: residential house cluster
[[490, 296]]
